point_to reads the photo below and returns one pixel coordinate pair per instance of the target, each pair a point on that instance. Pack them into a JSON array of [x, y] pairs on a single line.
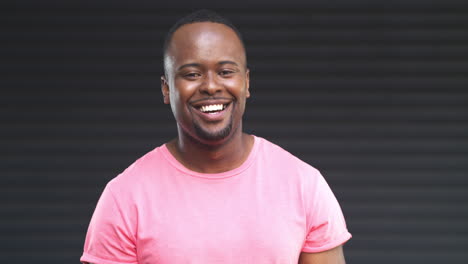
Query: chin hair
[[218, 135]]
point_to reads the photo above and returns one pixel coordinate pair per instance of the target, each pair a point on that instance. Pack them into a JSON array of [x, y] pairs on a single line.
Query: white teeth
[[211, 108]]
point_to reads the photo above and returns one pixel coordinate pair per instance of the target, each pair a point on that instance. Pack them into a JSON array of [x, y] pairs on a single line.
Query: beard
[[216, 135]]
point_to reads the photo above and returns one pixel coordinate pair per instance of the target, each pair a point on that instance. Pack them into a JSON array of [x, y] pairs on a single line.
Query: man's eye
[[192, 75], [226, 72]]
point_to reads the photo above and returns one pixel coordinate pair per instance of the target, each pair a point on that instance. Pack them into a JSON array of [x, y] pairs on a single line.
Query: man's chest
[[221, 227]]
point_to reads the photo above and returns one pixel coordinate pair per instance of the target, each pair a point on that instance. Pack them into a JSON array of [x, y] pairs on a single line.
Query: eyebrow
[[199, 65], [189, 65], [227, 62]]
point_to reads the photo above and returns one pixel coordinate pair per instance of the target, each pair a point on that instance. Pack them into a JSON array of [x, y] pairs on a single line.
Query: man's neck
[[212, 158]]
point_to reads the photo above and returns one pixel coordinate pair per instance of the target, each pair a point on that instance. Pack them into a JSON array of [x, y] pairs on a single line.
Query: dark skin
[[195, 71], [332, 256], [205, 65]]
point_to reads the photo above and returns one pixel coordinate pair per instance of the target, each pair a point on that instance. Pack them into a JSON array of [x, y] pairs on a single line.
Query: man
[[214, 194]]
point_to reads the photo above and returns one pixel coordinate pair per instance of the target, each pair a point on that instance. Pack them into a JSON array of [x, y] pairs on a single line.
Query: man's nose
[[211, 84]]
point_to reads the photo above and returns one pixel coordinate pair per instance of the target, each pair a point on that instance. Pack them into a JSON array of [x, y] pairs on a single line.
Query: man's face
[[207, 81]]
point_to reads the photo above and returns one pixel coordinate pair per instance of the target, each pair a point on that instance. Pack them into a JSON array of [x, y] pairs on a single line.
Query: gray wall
[[373, 93]]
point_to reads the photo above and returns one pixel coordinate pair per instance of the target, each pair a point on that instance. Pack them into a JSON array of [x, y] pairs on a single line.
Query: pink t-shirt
[[267, 211]]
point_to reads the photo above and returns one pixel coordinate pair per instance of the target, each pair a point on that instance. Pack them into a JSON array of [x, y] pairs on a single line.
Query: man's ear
[[247, 84], [165, 89]]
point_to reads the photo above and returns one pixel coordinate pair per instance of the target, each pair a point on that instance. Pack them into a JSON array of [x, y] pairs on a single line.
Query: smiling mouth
[[212, 108]]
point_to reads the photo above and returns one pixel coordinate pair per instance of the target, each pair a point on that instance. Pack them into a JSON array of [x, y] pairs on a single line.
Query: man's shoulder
[[276, 154], [280, 165], [140, 168]]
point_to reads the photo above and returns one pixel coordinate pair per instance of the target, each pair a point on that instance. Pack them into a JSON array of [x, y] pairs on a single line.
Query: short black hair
[[202, 15]]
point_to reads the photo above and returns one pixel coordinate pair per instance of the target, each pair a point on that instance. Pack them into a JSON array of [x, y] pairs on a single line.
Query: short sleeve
[[326, 224], [111, 237]]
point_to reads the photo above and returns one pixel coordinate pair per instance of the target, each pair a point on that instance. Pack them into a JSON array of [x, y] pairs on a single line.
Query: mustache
[[211, 98]]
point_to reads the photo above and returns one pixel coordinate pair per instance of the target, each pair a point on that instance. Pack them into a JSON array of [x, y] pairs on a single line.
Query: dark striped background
[[373, 93]]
